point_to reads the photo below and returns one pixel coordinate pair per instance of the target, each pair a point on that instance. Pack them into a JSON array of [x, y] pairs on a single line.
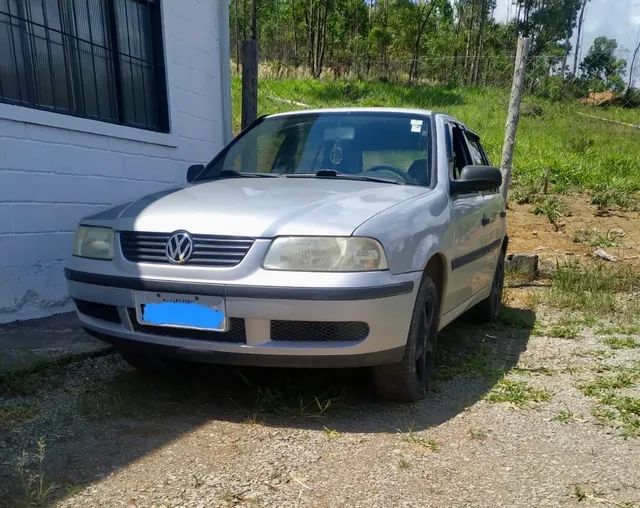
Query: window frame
[[470, 137], [20, 30]]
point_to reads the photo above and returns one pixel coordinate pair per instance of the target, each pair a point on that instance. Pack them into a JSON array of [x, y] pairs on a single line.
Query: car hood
[[259, 207]]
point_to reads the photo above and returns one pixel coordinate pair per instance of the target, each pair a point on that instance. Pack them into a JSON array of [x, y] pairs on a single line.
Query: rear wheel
[[408, 381], [489, 309]]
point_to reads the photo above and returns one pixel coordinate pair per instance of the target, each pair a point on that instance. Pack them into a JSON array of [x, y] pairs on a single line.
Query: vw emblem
[[179, 247]]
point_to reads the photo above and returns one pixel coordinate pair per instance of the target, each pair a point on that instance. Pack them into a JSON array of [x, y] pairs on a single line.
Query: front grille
[[208, 250], [319, 331], [235, 335], [98, 311]]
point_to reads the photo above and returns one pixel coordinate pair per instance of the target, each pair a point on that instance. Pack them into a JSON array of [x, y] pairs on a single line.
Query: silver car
[[327, 238]]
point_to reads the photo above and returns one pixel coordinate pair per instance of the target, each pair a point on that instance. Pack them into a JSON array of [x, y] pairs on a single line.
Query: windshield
[[388, 146]]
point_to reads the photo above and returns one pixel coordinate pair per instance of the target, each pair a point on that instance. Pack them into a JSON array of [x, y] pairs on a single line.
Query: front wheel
[[408, 381]]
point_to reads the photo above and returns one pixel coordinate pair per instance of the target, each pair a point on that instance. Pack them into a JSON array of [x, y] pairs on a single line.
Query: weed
[[518, 393], [619, 411], [287, 401], [561, 331], [36, 489], [516, 318], [565, 416], [598, 354], [424, 441], [594, 238], [17, 412], [622, 329], [478, 434], [603, 414], [552, 207], [606, 197], [594, 289], [600, 384], [478, 362], [331, 433], [579, 493], [621, 343], [404, 464]]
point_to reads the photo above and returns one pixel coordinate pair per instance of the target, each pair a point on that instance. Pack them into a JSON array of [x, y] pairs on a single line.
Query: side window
[[267, 147], [478, 156], [459, 151]]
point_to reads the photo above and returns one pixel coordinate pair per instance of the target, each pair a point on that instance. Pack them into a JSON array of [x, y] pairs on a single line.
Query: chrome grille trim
[[209, 250]]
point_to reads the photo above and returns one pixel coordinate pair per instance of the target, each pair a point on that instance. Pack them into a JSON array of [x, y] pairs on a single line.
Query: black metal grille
[[99, 59], [98, 310], [319, 331], [208, 250], [235, 335]]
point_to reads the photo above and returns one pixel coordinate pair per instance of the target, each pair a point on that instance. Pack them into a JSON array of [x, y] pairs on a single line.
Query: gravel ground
[[544, 435]]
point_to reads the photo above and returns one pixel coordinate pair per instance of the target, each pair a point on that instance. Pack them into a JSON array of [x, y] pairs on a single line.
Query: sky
[[617, 19]]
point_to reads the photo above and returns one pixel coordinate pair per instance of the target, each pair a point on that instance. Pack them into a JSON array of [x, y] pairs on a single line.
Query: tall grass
[[574, 152]]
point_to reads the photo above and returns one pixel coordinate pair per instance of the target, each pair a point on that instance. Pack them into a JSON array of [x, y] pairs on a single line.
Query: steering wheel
[[386, 168]]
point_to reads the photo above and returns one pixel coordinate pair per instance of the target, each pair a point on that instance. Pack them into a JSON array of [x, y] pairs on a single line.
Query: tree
[[547, 22], [601, 68]]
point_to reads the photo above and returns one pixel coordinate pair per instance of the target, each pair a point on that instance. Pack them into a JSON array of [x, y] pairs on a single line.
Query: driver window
[[460, 151]]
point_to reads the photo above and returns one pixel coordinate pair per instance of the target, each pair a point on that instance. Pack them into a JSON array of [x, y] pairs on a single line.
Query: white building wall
[[55, 169]]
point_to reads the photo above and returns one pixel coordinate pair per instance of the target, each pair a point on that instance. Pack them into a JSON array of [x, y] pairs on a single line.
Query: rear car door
[[472, 237]]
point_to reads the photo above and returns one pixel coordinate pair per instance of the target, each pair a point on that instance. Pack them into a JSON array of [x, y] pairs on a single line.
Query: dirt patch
[[530, 233]]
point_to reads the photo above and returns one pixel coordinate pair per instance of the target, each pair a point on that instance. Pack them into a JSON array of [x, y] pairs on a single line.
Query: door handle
[[485, 220]]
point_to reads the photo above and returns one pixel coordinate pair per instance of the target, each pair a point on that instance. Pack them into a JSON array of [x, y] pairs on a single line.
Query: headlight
[[93, 242], [325, 254]]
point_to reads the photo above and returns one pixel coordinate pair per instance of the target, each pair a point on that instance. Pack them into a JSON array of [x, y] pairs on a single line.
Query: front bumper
[[385, 305]]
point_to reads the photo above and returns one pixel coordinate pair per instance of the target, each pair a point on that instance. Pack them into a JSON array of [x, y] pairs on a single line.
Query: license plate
[[181, 311]]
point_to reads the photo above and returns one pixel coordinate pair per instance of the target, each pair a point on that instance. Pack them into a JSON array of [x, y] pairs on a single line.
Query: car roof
[[409, 111]]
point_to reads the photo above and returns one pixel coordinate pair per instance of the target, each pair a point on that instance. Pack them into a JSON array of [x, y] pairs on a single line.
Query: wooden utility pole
[[250, 72], [513, 115]]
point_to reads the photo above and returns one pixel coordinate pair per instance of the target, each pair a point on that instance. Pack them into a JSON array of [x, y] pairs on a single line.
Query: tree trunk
[[565, 56], [631, 67], [579, 35]]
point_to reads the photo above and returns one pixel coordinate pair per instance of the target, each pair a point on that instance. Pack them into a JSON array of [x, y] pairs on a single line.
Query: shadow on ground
[[106, 415]]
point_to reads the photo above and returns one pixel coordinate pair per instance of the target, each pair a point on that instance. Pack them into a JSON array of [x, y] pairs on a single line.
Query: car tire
[[489, 309], [409, 380]]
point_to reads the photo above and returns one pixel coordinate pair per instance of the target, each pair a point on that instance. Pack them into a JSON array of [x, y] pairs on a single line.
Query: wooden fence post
[[513, 115], [249, 82]]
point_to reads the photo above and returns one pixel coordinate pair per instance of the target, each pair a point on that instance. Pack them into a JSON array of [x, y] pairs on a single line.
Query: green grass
[[17, 412], [425, 441], [518, 393], [621, 343], [616, 409], [594, 238], [576, 153], [600, 289]]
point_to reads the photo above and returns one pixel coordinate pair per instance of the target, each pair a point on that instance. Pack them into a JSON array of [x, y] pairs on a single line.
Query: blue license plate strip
[[181, 311]]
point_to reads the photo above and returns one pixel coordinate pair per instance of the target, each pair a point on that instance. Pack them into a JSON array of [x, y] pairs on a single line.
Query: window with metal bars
[[98, 59]]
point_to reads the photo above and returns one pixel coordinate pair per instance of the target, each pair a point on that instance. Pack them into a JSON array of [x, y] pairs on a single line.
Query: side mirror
[[475, 179], [194, 171]]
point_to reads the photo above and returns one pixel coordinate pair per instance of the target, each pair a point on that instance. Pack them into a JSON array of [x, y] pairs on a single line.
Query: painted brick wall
[[55, 169]]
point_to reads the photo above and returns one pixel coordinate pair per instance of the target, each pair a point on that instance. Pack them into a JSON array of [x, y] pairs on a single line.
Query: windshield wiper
[[332, 173], [232, 173]]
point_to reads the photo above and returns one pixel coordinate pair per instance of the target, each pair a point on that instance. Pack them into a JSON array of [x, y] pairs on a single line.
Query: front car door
[[475, 248]]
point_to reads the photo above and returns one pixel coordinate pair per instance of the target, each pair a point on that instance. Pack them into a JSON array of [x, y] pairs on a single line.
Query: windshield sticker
[[416, 125]]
